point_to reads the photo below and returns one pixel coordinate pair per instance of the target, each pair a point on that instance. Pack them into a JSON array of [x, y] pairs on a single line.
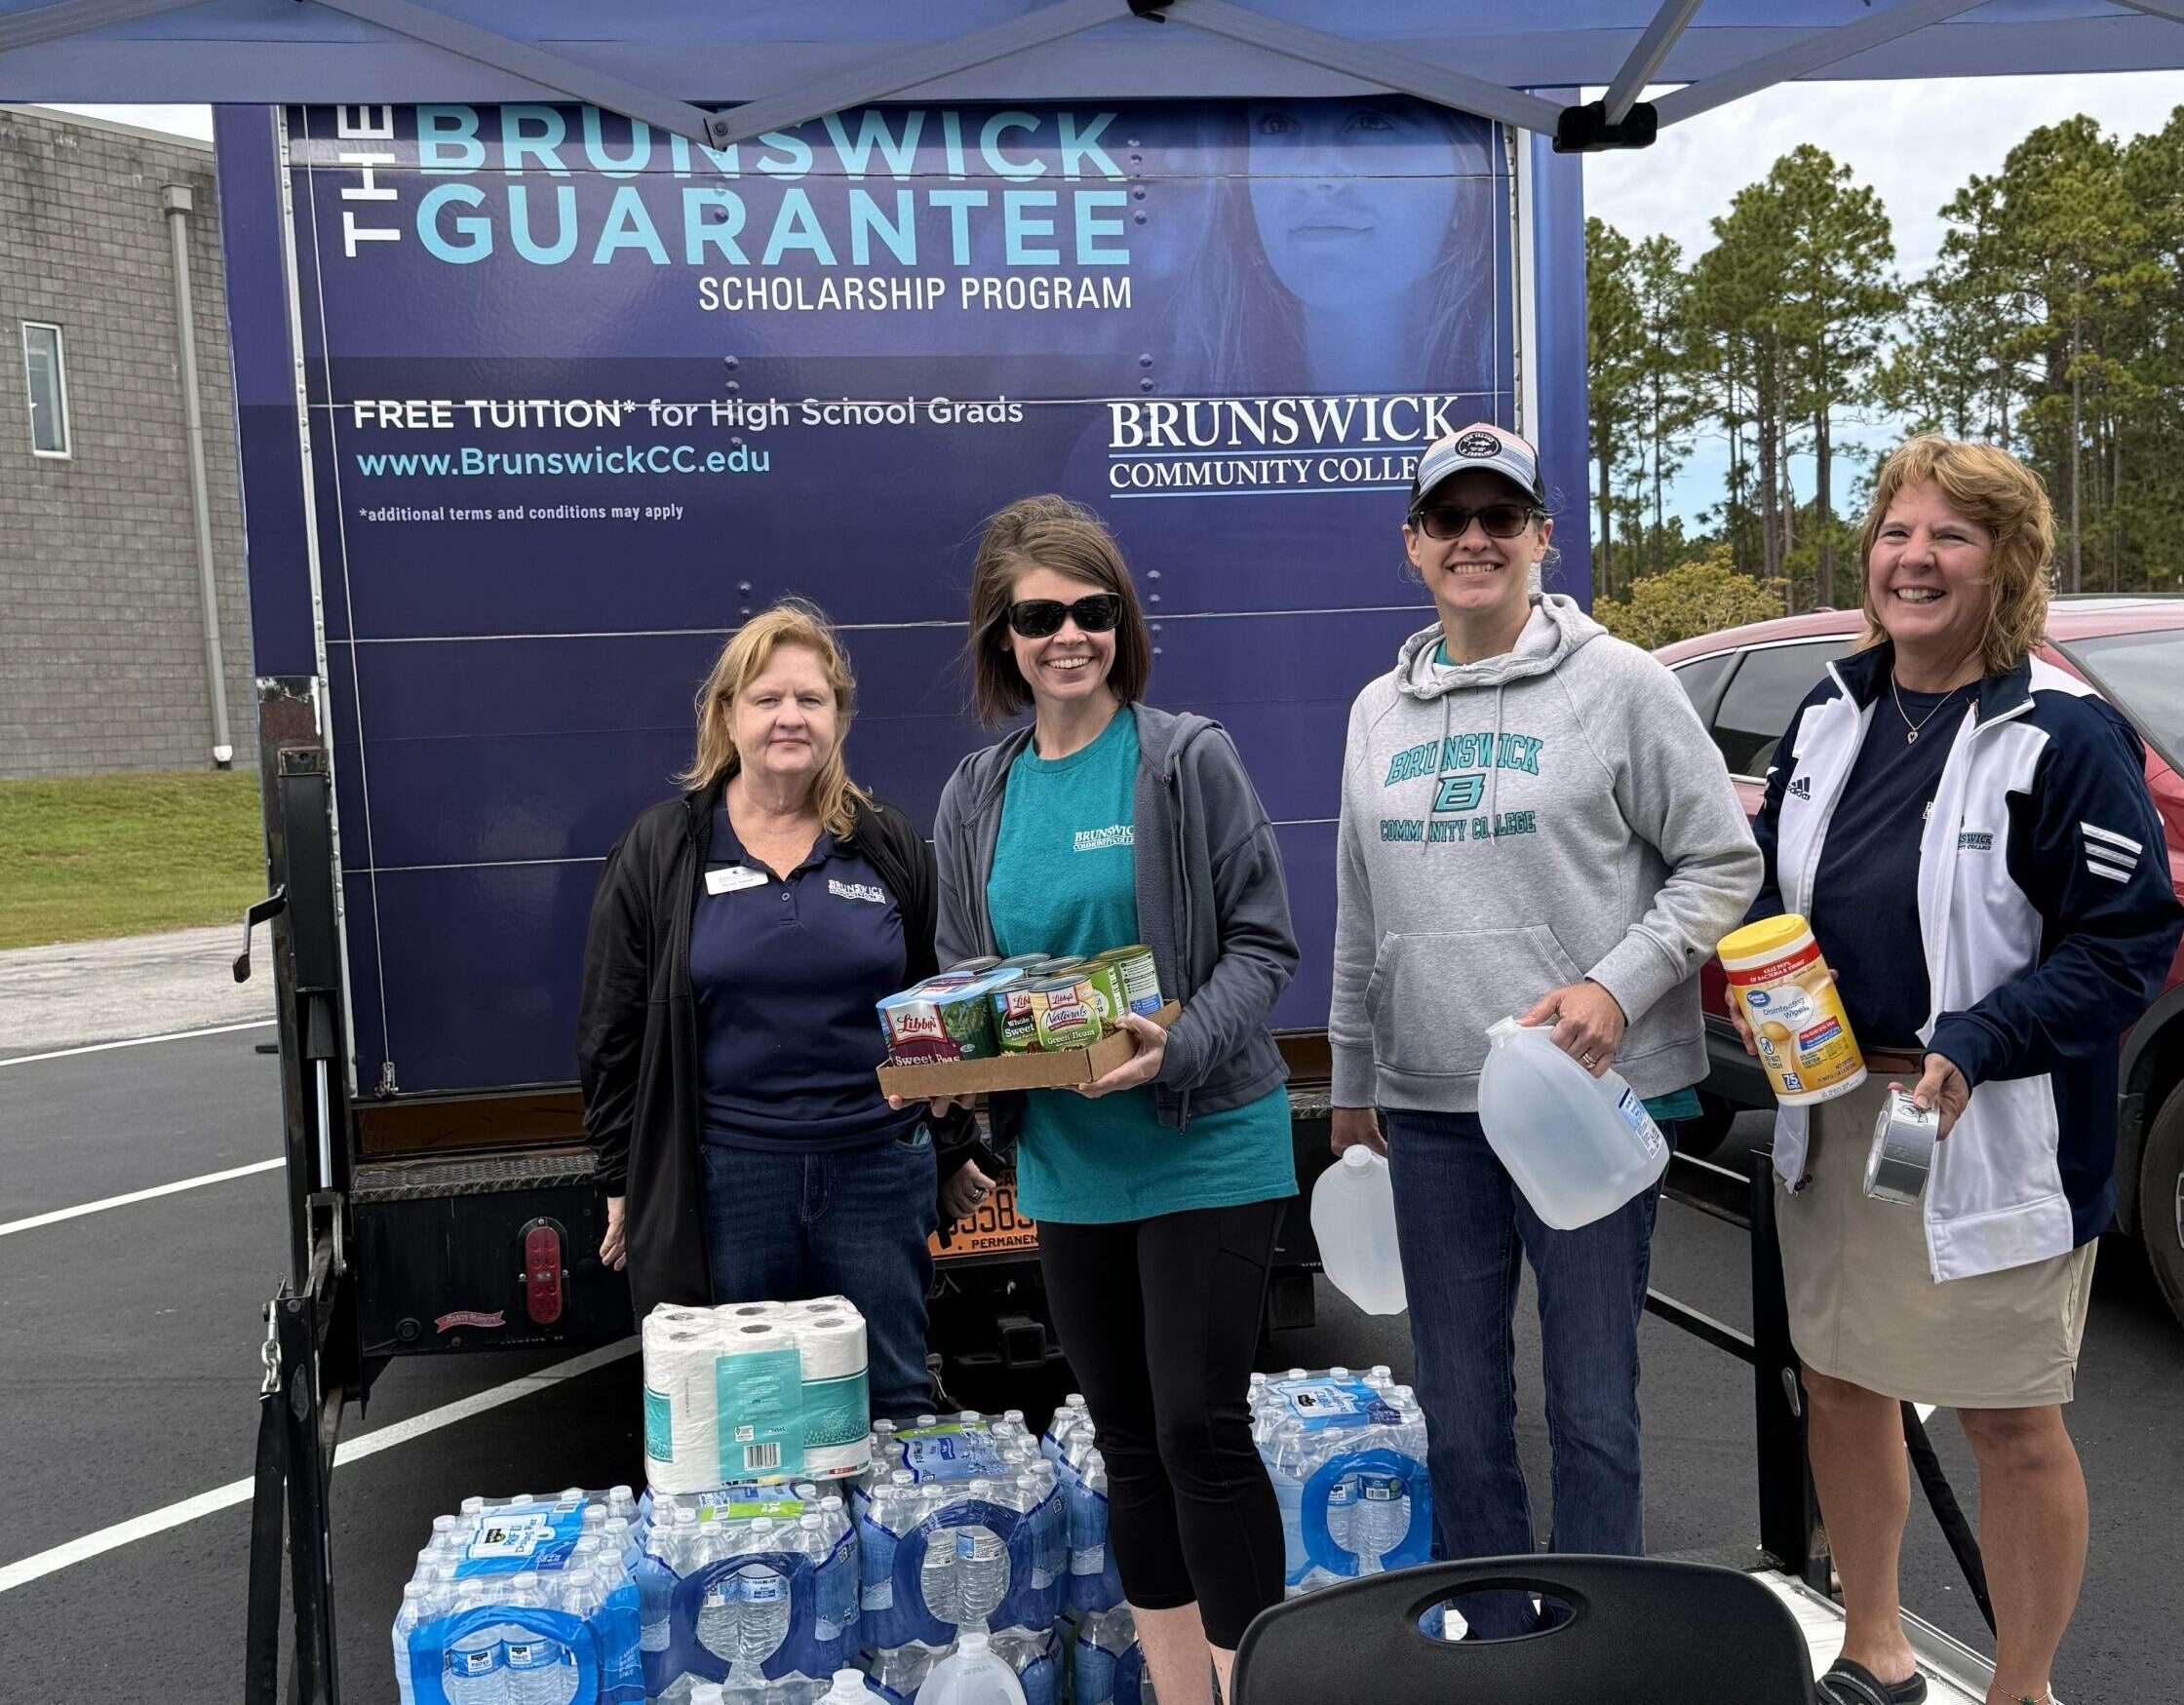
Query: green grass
[[122, 855]]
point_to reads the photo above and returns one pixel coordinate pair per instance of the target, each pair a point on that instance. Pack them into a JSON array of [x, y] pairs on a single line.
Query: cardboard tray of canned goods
[[1048, 1069]]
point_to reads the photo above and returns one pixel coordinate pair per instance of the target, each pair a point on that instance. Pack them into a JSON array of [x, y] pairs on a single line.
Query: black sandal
[[1848, 1682]]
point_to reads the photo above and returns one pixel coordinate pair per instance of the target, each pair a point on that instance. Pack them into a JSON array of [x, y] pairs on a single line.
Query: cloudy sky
[[1915, 142]]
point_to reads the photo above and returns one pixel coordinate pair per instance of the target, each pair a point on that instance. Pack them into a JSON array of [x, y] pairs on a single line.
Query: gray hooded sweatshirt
[[1515, 824]]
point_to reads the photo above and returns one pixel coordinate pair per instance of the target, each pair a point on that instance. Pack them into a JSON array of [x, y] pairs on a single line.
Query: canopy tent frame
[[1622, 119]]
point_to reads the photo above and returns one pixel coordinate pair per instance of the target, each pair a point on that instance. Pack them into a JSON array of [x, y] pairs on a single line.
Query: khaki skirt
[[1864, 1306]]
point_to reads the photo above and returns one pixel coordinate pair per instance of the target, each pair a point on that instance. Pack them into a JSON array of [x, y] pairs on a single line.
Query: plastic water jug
[[1579, 1147], [1354, 1218], [973, 1674]]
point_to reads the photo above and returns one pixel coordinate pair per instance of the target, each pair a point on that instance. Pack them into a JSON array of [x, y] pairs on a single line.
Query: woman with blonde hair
[[1968, 831], [726, 1043]]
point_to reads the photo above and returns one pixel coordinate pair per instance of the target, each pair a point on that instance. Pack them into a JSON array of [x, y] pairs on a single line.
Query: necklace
[[1910, 729]]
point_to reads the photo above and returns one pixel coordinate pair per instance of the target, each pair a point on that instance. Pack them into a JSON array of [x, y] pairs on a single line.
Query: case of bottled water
[[1072, 1446], [525, 1601], [1346, 1455], [1107, 1662], [958, 1521], [754, 1587]]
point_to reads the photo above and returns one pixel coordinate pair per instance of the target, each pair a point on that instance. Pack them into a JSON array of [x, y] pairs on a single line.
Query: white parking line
[[211, 1178], [139, 1041], [237, 1492]]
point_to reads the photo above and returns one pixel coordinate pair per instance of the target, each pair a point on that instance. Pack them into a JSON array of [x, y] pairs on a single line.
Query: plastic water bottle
[[981, 1575], [406, 1623], [898, 1673], [1354, 1218], [847, 1689], [1380, 1519], [716, 1620], [1104, 1644], [474, 1674], [1036, 1656], [973, 1674], [1579, 1147], [762, 1613]]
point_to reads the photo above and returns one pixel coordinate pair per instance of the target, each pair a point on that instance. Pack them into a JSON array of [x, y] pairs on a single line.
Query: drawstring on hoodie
[[1493, 768], [1413, 652], [1440, 759]]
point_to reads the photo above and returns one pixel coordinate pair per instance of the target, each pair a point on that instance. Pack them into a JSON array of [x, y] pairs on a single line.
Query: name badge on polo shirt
[[729, 878]]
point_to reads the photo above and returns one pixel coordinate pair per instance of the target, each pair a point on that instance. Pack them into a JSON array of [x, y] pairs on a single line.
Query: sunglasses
[[1450, 521], [1036, 617]]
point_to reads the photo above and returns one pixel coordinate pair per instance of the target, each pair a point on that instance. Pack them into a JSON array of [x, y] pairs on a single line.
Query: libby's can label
[[1015, 1010], [912, 1024], [1066, 1012]]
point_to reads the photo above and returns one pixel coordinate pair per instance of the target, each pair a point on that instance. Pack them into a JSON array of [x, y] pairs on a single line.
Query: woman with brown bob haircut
[[1103, 823], [739, 936], [1966, 829]]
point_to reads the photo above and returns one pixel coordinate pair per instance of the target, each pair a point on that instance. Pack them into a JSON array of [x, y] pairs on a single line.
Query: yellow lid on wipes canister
[[1781, 983]]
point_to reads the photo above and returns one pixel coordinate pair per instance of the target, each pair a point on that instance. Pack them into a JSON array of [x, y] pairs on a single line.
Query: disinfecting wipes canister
[[1787, 994]]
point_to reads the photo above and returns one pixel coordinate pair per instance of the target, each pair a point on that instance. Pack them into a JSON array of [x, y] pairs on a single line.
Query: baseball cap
[[1481, 444]]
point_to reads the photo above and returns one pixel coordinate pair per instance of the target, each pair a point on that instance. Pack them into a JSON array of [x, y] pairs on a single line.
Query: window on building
[[46, 368]]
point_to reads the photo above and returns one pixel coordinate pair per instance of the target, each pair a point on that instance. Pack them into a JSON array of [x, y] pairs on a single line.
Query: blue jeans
[[1464, 1228], [778, 1227]]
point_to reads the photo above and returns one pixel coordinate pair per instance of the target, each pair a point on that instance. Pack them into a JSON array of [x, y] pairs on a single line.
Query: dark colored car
[[1745, 684]]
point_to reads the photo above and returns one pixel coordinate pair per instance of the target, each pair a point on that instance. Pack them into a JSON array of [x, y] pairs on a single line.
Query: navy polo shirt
[[786, 975], [1865, 893]]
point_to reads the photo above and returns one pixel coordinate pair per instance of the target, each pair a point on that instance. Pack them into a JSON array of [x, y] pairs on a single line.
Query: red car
[[1746, 681]]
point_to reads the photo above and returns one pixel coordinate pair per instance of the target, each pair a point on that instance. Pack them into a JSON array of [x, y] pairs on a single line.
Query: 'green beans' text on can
[[1065, 1013]]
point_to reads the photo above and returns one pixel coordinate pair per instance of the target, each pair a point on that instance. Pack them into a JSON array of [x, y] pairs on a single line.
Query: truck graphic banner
[[582, 397]]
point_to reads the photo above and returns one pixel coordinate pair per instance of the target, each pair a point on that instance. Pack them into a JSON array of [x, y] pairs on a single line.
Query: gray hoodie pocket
[[1433, 994]]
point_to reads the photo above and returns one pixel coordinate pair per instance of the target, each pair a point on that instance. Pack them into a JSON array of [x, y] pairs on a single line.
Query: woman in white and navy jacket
[[1968, 830]]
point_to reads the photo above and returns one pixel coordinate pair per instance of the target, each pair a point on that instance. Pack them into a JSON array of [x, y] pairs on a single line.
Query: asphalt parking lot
[[128, 1339]]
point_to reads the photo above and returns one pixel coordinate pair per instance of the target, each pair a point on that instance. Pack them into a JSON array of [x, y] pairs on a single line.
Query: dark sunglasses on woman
[[1036, 617], [1448, 520]]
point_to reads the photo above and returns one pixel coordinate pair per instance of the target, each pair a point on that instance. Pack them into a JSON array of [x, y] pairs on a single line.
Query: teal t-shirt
[[1065, 881]]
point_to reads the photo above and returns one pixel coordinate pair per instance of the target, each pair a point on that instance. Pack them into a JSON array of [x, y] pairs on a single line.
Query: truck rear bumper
[[483, 1251]]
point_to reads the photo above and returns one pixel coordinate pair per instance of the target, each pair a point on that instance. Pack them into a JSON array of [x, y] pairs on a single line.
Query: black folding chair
[[1633, 1632]]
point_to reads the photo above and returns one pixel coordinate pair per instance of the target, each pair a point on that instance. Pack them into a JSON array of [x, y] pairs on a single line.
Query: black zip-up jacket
[[637, 1036]]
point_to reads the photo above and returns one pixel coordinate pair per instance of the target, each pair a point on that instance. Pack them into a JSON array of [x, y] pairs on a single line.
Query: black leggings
[[1160, 1319]]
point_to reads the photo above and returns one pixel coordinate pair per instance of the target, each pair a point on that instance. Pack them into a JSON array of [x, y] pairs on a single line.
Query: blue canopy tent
[[719, 73], [782, 61]]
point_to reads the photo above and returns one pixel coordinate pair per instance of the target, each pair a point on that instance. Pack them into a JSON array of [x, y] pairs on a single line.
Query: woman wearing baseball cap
[[1533, 822]]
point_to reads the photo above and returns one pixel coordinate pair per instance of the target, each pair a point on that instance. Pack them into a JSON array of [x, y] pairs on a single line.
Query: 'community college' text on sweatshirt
[[1515, 824]]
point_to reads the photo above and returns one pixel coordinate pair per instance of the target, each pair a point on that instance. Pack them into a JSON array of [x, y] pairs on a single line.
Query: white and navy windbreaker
[[2048, 919]]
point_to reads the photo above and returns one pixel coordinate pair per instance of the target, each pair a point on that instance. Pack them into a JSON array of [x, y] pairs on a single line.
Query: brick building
[[102, 654]]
